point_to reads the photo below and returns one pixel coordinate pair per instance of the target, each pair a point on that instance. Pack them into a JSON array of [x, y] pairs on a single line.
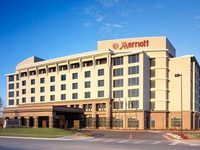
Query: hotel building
[[135, 83]]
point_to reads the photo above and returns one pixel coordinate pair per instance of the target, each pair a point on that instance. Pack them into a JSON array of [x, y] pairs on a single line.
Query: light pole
[[180, 75]]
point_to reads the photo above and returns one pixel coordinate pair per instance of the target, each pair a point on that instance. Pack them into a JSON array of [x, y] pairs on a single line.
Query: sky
[[55, 28]]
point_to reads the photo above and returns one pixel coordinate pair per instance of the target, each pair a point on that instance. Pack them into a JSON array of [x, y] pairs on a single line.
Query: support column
[[108, 114], [52, 120], [35, 122], [94, 115], [27, 122]]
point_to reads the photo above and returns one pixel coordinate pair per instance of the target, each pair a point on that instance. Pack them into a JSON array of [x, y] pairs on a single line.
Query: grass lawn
[[36, 132]]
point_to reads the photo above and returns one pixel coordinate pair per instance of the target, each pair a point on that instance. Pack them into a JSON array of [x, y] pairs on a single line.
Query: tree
[[1, 106]]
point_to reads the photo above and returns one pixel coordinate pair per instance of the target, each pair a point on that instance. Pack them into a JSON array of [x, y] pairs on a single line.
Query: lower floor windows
[[63, 96], [133, 104], [52, 97], [74, 95], [175, 122], [152, 123], [32, 99], [118, 104], [87, 95], [117, 122], [11, 102], [42, 98], [23, 100], [133, 123]]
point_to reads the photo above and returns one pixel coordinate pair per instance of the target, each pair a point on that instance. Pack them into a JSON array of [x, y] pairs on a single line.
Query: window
[[175, 122], [133, 122], [63, 77], [24, 83], [152, 123], [62, 68], [11, 102], [152, 105], [74, 95], [42, 98], [32, 81], [152, 94], [42, 89], [118, 72], [11, 86], [133, 104], [87, 94], [23, 74], [11, 94], [118, 94], [23, 91], [32, 90], [52, 97], [63, 87], [133, 93], [17, 93], [52, 88], [152, 83], [118, 104], [74, 85], [17, 85], [152, 62], [17, 77], [17, 101], [23, 100], [87, 74], [11, 78], [52, 69], [152, 73], [118, 61], [100, 93], [100, 83], [52, 79], [42, 80], [63, 96], [133, 70], [32, 99], [133, 58], [133, 81], [118, 83], [75, 76], [100, 72], [87, 84], [117, 122]]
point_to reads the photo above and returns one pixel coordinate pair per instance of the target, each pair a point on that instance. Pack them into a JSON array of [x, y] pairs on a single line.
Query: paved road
[[143, 135], [83, 143]]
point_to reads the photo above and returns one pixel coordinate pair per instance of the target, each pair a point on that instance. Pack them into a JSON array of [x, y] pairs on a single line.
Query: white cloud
[[107, 3], [87, 24], [197, 17], [109, 27], [99, 18]]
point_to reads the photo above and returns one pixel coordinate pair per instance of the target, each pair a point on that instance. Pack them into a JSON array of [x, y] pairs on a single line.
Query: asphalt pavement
[[92, 143]]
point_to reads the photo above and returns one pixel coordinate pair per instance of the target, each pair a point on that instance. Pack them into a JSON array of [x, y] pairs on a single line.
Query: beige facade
[[125, 84]]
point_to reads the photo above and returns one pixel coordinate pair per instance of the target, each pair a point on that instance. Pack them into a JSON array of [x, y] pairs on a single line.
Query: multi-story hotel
[[135, 83]]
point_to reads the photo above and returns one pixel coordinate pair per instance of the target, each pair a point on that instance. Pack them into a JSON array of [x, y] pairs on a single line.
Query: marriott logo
[[128, 45]]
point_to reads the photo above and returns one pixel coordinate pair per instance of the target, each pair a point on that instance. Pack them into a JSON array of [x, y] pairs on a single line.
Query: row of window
[[131, 104], [131, 59], [131, 82], [131, 70], [131, 93], [62, 97], [87, 74]]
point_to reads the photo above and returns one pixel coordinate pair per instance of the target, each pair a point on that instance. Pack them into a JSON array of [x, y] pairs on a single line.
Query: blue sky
[[53, 28]]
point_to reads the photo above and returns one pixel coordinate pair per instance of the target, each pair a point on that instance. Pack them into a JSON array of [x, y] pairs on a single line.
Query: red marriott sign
[[127, 45]]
